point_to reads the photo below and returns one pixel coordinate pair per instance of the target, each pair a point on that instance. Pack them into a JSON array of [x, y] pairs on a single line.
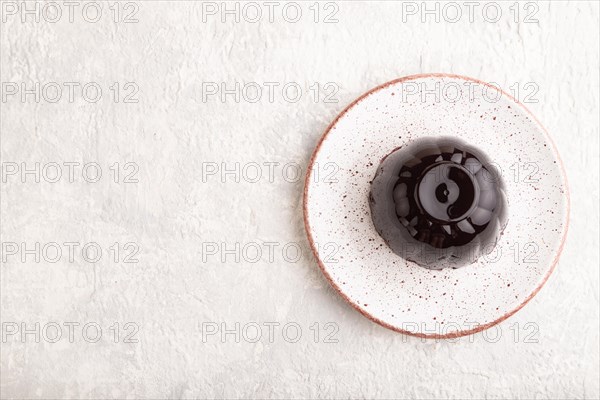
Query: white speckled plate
[[399, 294]]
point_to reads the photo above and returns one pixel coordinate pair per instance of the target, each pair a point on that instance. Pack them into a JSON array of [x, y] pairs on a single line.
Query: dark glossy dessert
[[438, 202]]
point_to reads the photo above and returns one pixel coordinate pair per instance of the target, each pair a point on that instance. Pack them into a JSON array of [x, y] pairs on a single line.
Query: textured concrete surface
[[182, 223]]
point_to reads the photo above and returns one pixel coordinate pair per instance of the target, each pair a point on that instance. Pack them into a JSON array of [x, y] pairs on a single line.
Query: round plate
[[399, 294]]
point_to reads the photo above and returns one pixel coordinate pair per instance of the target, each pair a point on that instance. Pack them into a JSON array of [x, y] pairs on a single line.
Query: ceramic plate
[[400, 294]]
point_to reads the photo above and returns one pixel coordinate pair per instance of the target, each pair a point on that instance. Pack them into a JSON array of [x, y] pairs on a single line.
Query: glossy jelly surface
[[438, 194]]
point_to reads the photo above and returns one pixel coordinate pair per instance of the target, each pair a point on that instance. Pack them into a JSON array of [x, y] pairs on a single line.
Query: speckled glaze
[[399, 294]]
